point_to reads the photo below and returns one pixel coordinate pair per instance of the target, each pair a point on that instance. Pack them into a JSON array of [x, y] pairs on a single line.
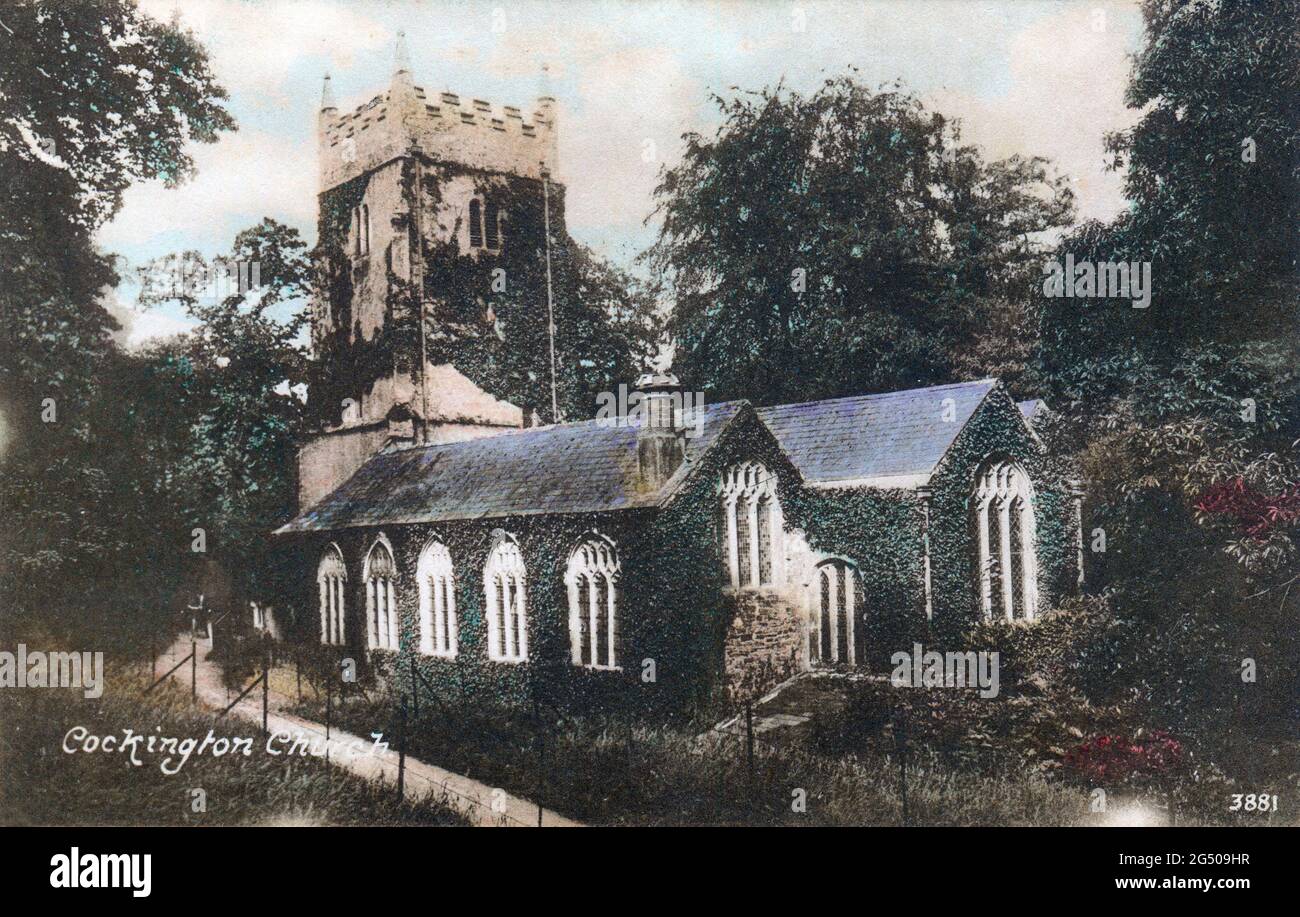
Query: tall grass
[[44, 785], [613, 772]]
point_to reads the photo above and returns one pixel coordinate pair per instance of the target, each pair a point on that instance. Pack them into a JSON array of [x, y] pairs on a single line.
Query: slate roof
[[1032, 408], [891, 439], [566, 468]]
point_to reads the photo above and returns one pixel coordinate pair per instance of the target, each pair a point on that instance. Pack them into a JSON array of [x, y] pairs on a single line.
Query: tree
[[233, 386], [1186, 414], [93, 96], [839, 242]]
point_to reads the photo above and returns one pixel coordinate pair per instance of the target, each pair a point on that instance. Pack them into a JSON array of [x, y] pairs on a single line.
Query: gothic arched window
[[592, 580], [361, 230], [834, 632], [437, 584], [1005, 534], [381, 613], [752, 516], [332, 580], [503, 584], [475, 223]]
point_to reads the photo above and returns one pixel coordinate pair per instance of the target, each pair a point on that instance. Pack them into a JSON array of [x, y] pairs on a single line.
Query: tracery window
[[752, 520], [332, 581], [436, 578], [592, 580], [834, 634], [1005, 534], [504, 582], [381, 613]]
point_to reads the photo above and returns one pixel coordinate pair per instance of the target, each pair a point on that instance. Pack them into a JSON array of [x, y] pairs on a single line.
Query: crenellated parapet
[[443, 126]]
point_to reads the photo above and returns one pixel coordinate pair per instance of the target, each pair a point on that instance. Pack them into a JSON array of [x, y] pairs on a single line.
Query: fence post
[[401, 749], [194, 670], [415, 690], [329, 705], [266, 686], [541, 755], [900, 734]]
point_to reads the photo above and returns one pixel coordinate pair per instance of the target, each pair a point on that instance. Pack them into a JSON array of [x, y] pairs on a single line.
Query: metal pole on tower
[[417, 284], [550, 301]]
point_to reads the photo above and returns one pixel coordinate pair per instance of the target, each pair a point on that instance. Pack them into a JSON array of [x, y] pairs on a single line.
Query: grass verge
[[45, 785]]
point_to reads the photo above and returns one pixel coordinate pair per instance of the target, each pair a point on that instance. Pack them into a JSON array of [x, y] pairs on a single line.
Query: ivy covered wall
[[996, 428], [486, 310], [674, 614]]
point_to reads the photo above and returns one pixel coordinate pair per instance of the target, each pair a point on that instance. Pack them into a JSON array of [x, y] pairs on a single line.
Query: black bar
[[242, 694], [168, 672], [401, 749], [266, 686]]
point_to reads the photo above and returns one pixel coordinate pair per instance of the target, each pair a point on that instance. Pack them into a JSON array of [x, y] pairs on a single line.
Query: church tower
[[435, 213]]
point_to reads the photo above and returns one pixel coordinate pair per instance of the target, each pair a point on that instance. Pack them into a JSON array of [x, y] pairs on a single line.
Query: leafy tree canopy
[[839, 242]]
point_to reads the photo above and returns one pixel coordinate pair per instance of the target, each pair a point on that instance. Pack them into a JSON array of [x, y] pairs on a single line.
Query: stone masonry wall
[[762, 645]]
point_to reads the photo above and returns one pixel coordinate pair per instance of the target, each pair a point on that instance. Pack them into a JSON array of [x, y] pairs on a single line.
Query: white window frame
[[379, 575], [1002, 487], [436, 576], [592, 563], [332, 581], [744, 487], [508, 625]]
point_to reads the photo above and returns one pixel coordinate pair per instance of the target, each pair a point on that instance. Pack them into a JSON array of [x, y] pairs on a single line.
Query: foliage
[[1109, 760], [226, 453], [839, 242], [96, 95], [487, 315], [1185, 415], [606, 769]]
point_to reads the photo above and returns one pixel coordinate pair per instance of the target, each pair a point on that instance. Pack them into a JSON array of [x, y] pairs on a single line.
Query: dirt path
[[483, 805]]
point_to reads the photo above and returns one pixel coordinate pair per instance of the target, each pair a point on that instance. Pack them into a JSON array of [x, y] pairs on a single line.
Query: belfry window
[[361, 230], [475, 223], [491, 226], [484, 224]]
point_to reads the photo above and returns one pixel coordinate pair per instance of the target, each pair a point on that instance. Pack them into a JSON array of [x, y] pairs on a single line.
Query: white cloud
[[1066, 86], [140, 326], [241, 178], [255, 46]]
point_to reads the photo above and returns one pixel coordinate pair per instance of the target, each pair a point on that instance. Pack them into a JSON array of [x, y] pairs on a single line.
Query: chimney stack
[[661, 435]]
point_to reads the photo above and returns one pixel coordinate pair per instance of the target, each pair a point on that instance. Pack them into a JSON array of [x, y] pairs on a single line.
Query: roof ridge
[[991, 380]]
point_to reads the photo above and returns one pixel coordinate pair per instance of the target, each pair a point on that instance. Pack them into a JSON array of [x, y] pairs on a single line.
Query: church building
[[681, 553]]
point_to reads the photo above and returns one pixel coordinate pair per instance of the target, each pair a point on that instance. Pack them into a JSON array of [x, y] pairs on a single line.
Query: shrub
[[1111, 760]]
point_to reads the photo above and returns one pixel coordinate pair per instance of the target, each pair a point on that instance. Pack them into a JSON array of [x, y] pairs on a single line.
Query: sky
[[1035, 77]]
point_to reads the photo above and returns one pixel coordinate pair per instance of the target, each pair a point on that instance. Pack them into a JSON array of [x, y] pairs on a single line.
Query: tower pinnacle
[[401, 56], [327, 96]]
